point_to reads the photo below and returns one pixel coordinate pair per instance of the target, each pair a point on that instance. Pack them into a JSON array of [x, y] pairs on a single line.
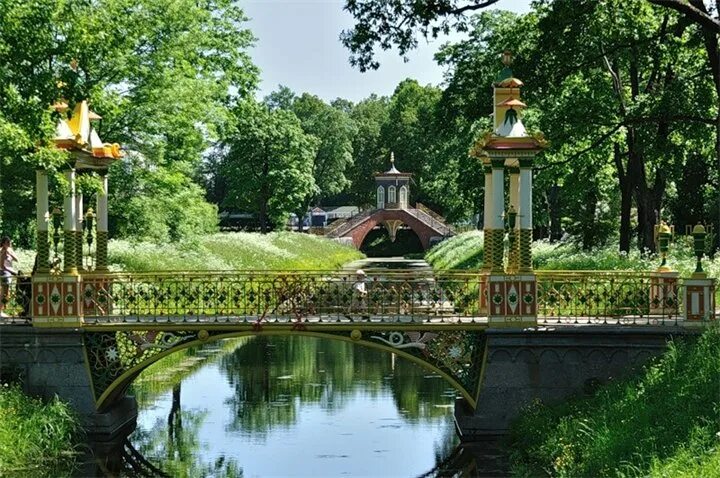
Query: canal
[[290, 407]]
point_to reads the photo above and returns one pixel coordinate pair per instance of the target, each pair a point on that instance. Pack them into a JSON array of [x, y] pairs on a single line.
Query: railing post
[[512, 300], [699, 289], [699, 302], [57, 300]]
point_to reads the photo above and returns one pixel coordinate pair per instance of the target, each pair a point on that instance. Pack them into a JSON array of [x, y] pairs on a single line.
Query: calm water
[[299, 406]]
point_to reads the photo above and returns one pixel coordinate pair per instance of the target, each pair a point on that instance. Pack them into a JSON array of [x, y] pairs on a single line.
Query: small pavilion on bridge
[[393, 187], [393, 211]]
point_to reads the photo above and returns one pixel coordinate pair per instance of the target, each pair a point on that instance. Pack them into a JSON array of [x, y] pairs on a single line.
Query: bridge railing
[[608, 297], [17, 297], [342, 227], [262, 296]]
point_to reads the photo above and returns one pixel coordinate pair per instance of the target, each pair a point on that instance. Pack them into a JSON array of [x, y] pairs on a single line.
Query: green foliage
[[36, 438], [159, 205], [232, 251], [334, 130], [464, 251], [162, 81], [393, 23], [267, 164], [663, 422], [368, 150]]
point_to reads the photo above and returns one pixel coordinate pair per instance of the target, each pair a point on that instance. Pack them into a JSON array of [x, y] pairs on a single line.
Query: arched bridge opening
[[116, 359], [379, 243]]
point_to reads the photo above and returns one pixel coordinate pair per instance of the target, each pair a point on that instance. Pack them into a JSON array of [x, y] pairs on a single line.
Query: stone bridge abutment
[[52, 362], [552, 365]]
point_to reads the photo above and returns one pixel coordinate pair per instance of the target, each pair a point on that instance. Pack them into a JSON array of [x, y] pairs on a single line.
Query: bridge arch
[[423, 231], [463, 375]]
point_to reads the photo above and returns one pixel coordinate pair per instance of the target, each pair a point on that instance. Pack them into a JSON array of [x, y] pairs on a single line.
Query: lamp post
[[664, 235], [699, 246], [88, 224]]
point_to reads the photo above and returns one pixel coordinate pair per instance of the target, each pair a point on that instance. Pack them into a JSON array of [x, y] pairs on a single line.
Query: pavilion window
[[392, 196]]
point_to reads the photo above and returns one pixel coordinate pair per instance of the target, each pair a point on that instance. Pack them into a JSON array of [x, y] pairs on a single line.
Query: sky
[[298, 46]]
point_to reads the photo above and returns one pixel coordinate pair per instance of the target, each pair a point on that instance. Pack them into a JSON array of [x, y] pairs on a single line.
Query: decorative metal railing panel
[[17, 298], [602, 297], [267, 297], [258, 297]]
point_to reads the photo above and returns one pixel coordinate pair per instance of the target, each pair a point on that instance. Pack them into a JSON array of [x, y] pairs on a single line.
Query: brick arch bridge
[[429, 227]]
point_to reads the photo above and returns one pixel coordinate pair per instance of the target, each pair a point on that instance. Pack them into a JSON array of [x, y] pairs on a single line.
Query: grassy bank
[[663, 423], [36, 439], [228, 251], [465, 251]]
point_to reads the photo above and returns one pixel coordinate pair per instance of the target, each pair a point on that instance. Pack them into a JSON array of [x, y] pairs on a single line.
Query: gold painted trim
[[481, 377], [286, 327]]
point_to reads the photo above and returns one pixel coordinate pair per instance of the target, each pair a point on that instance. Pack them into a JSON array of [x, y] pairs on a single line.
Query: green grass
[[465, 251], [36, 439], [663, 423], [232, 251]]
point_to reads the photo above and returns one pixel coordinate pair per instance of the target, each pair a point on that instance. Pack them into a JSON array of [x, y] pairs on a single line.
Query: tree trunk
[[589, 227], [174, 417], [625, 200], [554, 207]]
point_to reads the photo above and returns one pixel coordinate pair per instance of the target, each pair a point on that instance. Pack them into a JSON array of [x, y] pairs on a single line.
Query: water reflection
[[296, 406]]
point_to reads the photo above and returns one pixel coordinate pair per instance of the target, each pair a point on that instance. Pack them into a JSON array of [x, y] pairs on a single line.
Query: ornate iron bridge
[[437, 319]]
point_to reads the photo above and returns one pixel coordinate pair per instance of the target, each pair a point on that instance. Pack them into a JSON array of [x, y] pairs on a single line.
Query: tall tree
[[334, 130], [161, 80], [369, 153], [267, 163]]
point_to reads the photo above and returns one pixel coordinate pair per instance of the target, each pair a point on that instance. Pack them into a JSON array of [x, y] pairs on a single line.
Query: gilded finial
[[507, 58]]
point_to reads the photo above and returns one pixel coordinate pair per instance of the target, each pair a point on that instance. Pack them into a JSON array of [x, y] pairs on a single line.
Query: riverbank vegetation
[[36, 438], [232, 251], [664, 422], [465, 251]]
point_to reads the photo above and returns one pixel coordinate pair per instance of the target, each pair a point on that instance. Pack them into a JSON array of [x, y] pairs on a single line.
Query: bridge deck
[[322, 298]]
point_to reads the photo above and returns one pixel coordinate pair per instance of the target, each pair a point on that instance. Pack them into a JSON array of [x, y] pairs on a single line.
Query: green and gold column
[[487, 218], [70, 223], [43, 218], [79, 218], [514, 247], [526, 218], [101, 239], [497, 230]]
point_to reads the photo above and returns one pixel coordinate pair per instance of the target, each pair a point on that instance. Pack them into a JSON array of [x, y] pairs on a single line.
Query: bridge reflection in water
[[283, 397]]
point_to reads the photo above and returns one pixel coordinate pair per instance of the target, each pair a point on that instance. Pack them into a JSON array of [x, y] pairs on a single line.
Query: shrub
[[34, 435]]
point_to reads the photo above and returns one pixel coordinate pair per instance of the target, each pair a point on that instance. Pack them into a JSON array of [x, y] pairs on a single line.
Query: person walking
[[7, 271]]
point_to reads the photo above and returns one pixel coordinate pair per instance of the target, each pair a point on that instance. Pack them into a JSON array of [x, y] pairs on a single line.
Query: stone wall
[[49, 362], [551, 365]]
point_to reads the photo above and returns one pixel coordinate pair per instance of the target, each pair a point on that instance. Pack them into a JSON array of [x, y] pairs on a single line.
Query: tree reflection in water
[[273, 376], [271, 379]]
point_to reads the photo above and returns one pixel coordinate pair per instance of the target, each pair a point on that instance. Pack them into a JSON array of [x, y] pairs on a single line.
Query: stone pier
[[50, 362], [552, 365]]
